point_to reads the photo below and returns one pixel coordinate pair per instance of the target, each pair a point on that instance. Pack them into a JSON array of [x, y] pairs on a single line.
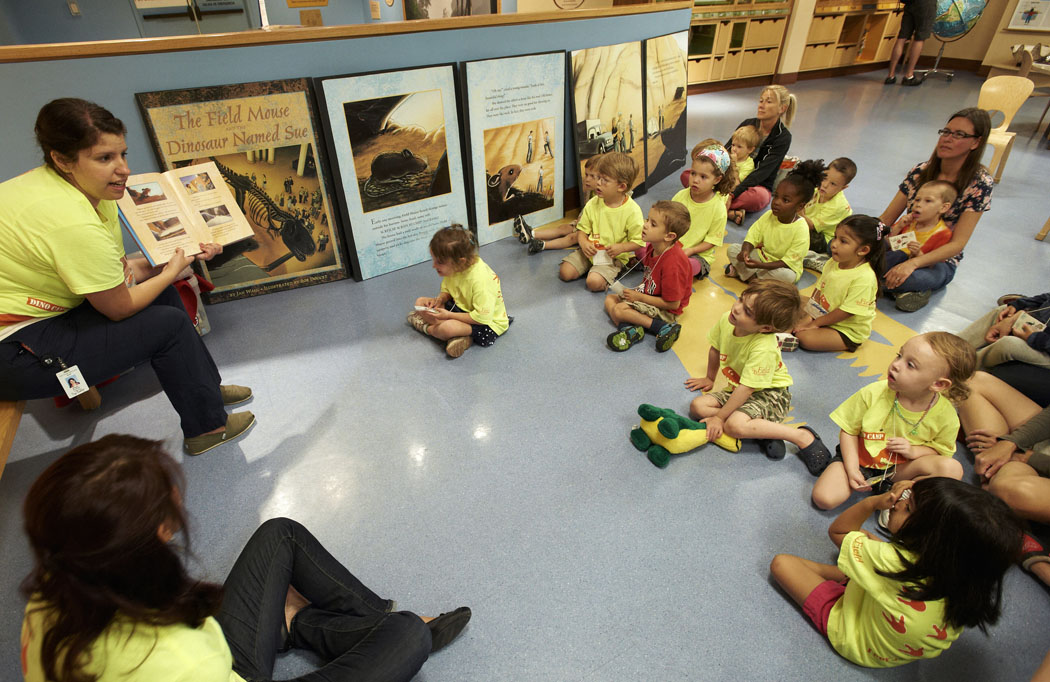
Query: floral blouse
[[977, 197]]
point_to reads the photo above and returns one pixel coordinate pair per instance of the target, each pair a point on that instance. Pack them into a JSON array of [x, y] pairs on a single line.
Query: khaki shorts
[[771, 404], [583, 265], [653, 312]]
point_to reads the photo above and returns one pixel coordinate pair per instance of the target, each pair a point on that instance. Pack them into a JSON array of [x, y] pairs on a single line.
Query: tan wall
[[549, 6], [974, 44], [998, 52]]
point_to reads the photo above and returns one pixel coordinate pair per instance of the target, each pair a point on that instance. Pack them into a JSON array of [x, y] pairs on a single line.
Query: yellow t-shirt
[[612, 225], [827, 216], [753, 360], [869, 414], [54, 247], [169, 653], [853, 291], [707, 223], [773, 241], [744, 168], [477, 291], [873, 624]]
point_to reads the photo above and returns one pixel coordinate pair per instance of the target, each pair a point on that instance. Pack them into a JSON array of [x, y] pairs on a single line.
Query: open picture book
[[182, 207]]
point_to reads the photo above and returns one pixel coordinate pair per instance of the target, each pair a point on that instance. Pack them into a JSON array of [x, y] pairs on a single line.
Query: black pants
[[161, 334], [348, 625]]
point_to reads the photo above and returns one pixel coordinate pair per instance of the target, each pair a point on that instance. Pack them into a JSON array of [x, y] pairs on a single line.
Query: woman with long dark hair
[[70, 297], [110, 597], [957, 160]]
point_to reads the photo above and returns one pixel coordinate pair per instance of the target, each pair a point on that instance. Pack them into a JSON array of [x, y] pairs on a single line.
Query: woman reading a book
[[110, 598], [71, 299]]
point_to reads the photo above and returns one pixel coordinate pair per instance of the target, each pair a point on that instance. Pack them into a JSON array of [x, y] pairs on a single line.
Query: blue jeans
[[930, 278], [346, 624]]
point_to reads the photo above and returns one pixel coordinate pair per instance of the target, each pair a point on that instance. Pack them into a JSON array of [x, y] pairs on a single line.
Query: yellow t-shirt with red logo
[[874, 624], [54, 247], [853, 291], [826, 216], [707, 223], [774, 240], [477, 292], [869, 414], [608, 226], [753, 360]]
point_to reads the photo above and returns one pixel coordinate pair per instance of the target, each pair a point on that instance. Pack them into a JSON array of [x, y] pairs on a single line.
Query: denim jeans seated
[[930, 278], [350, 627]]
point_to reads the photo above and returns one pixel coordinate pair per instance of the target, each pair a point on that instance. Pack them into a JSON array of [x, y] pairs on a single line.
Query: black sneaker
[[447, 627], [890, 80], [912, 81], [536, 245], [522, 230], [910, 301], [667, 336], [771, 448]]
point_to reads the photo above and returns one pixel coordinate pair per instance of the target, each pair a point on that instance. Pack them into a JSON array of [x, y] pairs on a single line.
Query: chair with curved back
[[1005, 94], [1028, 55]]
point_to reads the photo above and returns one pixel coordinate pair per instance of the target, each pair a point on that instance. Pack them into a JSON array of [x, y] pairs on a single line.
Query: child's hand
[[743, 256], [429, 302], [807, 323], [615, 250], [699, 384], [914, 249], [715, 427], [588, 248], [753, 264], [1008, 311], [856, 479], [1026, 331], [435, 317], [631, 295], [888, 499], [899, 446]]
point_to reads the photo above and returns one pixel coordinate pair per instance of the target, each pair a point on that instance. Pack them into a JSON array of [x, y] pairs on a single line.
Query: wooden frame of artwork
[[515, 114], [397, 160], [264, 136]]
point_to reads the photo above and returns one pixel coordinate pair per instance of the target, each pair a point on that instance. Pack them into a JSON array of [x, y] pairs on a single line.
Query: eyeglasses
[[957, 134]]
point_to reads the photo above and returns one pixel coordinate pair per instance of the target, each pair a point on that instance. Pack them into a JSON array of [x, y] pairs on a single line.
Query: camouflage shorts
[[771, 404]]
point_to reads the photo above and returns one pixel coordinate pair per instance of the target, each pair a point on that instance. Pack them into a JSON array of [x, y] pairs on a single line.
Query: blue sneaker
[[620, 341], [667, 336]]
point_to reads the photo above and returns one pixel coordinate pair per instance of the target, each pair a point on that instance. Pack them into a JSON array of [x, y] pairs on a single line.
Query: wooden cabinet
[[851, 35], [736, 39]]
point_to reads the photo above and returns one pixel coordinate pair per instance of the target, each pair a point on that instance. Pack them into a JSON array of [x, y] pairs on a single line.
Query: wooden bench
[[10, 416]]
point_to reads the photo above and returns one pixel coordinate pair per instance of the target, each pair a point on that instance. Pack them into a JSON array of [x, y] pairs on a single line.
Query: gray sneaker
[[522, 230], [536, 245], [815, 261], [910, 301]]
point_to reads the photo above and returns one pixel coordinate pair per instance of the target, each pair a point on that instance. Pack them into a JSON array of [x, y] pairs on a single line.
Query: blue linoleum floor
[[504, 480]]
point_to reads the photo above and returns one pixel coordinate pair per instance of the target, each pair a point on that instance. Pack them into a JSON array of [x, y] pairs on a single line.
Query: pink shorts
[[819, 602]]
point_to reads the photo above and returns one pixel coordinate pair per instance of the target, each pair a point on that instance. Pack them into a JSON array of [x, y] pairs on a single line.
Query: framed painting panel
[[665, 105], [515, 111], [608, 106], [265, 140], [397, 159]]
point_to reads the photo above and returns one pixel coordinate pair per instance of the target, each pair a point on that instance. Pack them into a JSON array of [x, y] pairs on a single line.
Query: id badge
[[814, 309], [73, 382]]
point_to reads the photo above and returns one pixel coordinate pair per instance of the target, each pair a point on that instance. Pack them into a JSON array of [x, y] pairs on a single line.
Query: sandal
[[771, 448], [730, 270], [1032, 553], [815, 456]]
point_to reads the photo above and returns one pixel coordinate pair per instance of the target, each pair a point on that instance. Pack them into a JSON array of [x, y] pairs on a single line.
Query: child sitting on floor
[[828, 208], [778, 241], [757, 399], [610, 227], [924, 224], [840, 311], [470, 307], [890, 603], [1000, 336], [711, 178], [743, 144], [560, 236], [667, 286], [903, 427]]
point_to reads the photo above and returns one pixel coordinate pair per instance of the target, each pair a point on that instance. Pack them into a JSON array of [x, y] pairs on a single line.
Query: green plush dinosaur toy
[[664, 432]]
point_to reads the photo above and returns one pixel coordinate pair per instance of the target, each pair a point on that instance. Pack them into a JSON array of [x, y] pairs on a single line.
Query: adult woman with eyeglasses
[[955, 159], [110, 598]]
